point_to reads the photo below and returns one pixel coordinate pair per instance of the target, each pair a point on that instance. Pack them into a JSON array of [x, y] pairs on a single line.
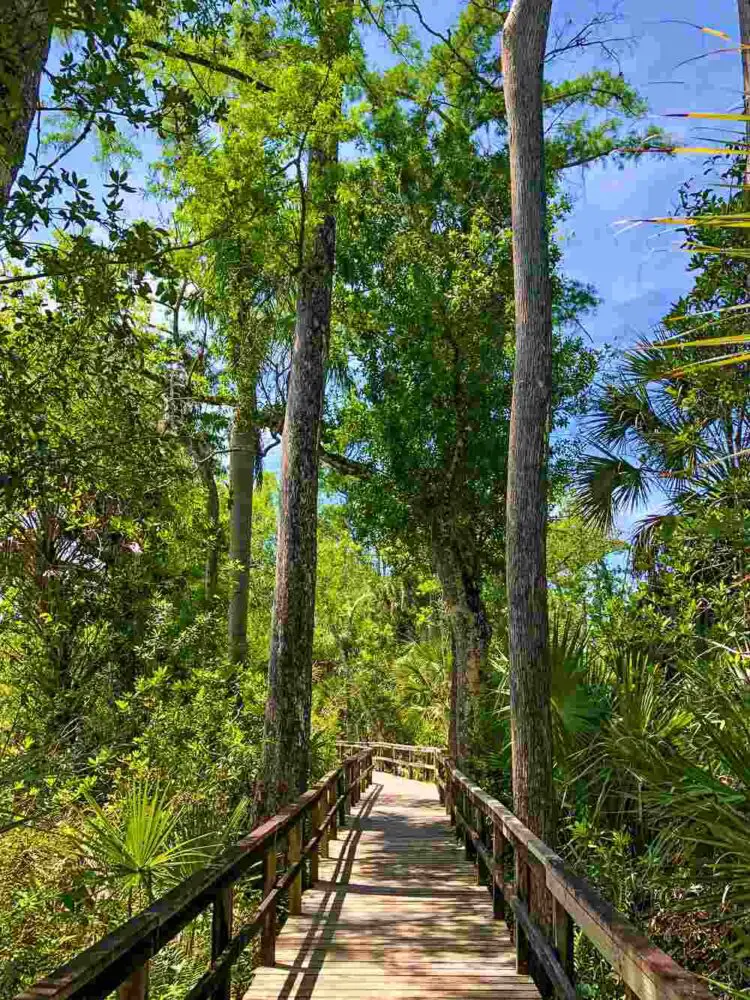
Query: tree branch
[[346, 466], [197, 60]]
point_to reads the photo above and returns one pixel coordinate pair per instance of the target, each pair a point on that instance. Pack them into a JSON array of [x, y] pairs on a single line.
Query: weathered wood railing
[[121, 959], [398, 758], [546, 899]]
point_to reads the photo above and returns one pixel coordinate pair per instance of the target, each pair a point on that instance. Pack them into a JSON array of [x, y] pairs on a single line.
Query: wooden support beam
[[340, 787], [563, 934], [268, 932], [221, 935], [333, 826], [315, 856], [293, 854], [543, 953], [522, 894], [135, 986], [498, 875]]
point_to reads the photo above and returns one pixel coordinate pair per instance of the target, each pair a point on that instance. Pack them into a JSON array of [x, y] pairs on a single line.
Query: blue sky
[[639, 273]]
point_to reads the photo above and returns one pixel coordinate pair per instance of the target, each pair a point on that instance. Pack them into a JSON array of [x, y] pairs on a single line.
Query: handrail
[[547, 899], [121, 958], [420, 760]]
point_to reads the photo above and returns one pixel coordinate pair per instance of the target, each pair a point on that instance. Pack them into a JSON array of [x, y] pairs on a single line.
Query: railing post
[[562, 929], [315, 855], [522, 891], [332, 789], [340, 785], [135, 986], [540, 911], [479, 825], [294, 845], [498, 876], [268, 931], [323, 810], [467, 811], [221, 934]]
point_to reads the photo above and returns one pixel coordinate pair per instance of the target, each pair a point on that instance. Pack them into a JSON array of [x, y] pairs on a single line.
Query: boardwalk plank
[[396, 914]]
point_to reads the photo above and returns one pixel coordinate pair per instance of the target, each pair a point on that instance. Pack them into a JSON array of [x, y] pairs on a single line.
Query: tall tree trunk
[[286, 761], [243, 447], [743, 11], [524, 40], [287, 720], [25, 31], [470, 639]]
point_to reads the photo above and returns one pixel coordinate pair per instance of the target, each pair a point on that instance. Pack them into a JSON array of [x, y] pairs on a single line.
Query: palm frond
[[141, 847], [607, 484], [650, 532]]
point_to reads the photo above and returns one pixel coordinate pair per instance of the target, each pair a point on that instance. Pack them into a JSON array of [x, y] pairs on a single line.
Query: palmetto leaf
[[738, 220], [650, 532], [607, 483], [740, 253], [711, 115], [725, 361], [143, 845]]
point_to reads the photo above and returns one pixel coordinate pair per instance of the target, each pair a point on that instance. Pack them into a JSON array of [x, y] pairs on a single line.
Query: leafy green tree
[[426, 424]]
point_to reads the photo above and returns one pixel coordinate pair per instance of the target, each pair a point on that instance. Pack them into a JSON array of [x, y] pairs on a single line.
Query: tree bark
[[287, 719], [242, 454], [470, 638], [25, 33], [524, 40]]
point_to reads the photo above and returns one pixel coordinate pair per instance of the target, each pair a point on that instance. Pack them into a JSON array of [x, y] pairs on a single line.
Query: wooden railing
[[121, 959], [545, 898], [397, 758]]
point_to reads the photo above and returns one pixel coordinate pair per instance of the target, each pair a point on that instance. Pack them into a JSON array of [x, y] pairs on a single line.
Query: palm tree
[[659, 433]]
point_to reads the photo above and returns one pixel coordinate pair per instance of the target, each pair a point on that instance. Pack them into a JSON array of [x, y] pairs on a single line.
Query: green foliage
[[141, 852]]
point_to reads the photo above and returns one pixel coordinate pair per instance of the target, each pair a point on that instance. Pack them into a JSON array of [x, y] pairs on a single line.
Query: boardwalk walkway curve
[[411, 887]]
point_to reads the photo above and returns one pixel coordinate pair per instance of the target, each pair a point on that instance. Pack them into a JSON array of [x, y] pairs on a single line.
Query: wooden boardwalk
[[396, 914]]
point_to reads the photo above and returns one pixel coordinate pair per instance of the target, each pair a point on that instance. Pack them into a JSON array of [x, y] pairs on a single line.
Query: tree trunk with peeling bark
[[287, 720], [524, 41], [25, 33], [202, 453], [243, 448], [470, 638]]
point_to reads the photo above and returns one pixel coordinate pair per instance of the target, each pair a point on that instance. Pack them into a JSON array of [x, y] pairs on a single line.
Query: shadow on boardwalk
[[396, 914]]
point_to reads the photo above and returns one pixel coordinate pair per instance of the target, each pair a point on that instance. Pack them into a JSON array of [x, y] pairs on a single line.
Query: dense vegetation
[[149, 562]]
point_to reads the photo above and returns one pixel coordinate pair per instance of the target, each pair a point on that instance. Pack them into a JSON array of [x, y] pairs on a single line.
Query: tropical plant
[[140, 849], [683, 438]]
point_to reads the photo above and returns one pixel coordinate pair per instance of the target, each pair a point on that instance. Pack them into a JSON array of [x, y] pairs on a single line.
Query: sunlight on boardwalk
[[396, 913]]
